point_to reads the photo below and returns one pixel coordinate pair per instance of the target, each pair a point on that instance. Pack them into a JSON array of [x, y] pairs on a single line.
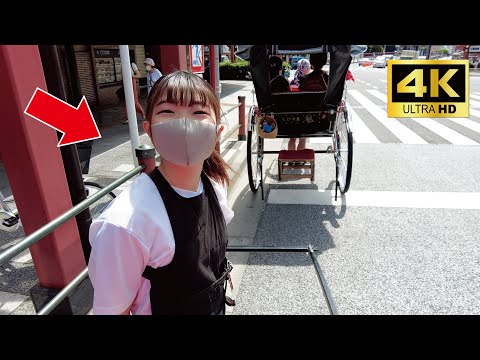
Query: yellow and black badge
[[428, 88]]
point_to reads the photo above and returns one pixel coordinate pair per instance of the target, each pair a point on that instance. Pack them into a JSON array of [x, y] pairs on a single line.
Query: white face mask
[[148, 67], [184, 141]]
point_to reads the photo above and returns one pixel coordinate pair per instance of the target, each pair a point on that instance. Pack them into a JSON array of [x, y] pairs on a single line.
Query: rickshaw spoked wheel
[[254, 152], [343, 151]]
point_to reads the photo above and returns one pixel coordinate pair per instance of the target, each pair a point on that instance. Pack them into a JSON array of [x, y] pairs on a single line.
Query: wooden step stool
[[296, 159]]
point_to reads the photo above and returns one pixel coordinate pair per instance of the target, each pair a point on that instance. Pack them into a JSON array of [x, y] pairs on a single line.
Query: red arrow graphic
[[76, 123]]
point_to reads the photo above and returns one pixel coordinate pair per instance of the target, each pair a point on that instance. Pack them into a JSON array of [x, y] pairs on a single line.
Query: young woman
[[160, 247]]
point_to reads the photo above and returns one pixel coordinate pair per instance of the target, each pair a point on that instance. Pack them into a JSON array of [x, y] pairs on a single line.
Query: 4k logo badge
[[428, 88]]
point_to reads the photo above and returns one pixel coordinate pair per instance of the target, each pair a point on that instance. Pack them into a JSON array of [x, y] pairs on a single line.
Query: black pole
[[326, 290], [71, 162], [73, 75]]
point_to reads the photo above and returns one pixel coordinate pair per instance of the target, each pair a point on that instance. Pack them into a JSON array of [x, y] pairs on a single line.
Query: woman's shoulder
[[135, 206]]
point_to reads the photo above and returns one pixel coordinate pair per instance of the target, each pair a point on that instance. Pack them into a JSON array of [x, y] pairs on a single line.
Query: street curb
[[237, 168]]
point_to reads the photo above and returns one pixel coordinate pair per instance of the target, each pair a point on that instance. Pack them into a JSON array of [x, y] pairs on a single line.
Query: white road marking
[[361, 133], [475, 96], [388, 199], [475, 113], [405, 135], [320, 140], [472, 125], [23, 258], [474, 103], [441, 130], [383, 80], [10, 301], [124, 168]]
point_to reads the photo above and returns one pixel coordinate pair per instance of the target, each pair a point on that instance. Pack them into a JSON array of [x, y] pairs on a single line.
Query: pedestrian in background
[[160, 247], [138, 107], [153, 74]]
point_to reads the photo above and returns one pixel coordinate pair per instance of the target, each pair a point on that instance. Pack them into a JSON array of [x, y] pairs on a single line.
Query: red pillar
[[232, 53], [213, 65], [35, 169], [173, 57]]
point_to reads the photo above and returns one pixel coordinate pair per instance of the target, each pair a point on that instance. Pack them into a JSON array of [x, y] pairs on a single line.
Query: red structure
[[35, 169], [173, 57]]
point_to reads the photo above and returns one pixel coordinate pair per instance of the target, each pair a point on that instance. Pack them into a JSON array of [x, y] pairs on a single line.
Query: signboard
[[428, 88], [197, 64], [108, 66]]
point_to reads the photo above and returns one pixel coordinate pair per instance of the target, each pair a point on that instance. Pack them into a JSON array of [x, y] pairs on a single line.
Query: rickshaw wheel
[[343, 141], [254, 152]]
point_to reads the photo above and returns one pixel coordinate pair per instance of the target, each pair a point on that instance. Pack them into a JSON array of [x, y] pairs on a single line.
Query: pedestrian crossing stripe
[[361, 133], [434, 126], [474, 103], [472, 125], [385, 199], [474, 96], [474, 112], [403, 133]]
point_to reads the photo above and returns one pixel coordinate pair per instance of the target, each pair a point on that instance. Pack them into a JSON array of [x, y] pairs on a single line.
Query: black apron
[[195, 281]]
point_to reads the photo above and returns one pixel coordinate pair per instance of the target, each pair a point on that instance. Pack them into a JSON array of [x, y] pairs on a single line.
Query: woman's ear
[[148, 129], [220, 128]]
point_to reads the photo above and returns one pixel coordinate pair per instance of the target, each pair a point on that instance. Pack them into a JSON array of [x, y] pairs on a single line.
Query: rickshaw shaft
[[326, 290], [269, 248]]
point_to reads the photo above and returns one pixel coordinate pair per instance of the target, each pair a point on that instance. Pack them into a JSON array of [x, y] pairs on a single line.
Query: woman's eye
[[201, 112], [165, 112]]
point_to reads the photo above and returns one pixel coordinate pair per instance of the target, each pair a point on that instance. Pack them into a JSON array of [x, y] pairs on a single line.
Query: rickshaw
[[301, 114]]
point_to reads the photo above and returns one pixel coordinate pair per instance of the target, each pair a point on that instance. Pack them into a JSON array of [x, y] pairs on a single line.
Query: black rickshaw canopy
[[340, 58]]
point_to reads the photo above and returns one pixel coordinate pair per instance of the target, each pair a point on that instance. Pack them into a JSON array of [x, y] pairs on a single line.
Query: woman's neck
[[183, 177]]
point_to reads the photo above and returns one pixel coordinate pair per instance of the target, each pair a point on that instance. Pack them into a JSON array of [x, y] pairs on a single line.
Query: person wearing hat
[[153, 74]]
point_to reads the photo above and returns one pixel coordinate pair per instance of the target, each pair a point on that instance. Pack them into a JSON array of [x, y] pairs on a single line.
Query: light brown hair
[[184, 88]]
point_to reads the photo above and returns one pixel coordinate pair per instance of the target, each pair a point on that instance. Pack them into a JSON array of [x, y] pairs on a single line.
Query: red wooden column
[[232, 53], [35, 169], [173, 57]]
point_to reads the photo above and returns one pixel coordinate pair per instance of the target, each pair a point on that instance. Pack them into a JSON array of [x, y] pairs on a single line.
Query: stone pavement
[[111, 158]]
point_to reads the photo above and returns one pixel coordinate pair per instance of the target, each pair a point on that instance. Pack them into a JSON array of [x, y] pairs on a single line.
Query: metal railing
[[241, 120], [39, 234]]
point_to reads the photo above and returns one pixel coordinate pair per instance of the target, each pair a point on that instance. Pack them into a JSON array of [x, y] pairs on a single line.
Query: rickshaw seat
[[303, 101]]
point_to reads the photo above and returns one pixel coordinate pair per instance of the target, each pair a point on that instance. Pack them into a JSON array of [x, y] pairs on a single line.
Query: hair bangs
[[185, 89]]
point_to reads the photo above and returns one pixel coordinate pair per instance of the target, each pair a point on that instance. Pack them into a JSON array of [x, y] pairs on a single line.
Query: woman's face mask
[[184, 141], [148, 67]]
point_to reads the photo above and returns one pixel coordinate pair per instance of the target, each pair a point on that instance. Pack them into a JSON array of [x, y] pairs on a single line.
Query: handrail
[[235, 127], [52, 304], [231, 109], [37, 235]]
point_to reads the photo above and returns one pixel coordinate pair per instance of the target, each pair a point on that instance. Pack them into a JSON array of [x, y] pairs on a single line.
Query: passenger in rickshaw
[[303, 68], [316, 80], [278, 83]]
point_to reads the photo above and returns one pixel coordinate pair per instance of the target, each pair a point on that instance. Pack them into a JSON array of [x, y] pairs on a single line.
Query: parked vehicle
[[388, 58], [365, 61], [379, 62]]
